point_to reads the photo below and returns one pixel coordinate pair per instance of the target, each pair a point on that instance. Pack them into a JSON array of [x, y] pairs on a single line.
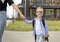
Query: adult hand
[[18, 10], [22, 17]]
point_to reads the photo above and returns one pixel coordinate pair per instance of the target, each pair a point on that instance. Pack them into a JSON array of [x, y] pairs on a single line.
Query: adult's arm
[[11, 3]]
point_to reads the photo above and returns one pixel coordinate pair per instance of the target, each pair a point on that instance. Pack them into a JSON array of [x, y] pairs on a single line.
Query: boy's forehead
[[39, 9]]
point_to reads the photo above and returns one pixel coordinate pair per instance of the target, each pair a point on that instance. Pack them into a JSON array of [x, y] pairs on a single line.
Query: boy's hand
[[47, 36]]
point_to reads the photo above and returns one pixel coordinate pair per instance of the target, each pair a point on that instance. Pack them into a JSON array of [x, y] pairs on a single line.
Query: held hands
[[22, 17]]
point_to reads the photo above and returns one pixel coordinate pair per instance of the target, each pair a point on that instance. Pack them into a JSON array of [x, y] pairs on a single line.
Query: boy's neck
[[39, 18]]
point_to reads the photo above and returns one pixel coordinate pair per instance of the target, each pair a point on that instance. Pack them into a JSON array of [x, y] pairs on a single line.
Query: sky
[[10, 9]]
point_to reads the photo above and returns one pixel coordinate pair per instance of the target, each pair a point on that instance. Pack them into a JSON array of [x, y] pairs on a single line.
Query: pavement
[[15, 36]]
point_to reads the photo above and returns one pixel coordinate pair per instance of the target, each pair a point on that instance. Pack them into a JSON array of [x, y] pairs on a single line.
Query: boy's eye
[[39, 12]]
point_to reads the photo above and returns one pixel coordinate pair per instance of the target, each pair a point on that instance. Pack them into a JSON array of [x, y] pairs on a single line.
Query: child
[[39, 30]]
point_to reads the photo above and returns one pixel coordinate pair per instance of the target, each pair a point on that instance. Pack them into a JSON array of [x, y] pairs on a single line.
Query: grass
[[19, 26], [54, 25], [22, 26]]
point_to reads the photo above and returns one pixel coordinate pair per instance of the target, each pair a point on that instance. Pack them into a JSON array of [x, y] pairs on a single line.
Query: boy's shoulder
[[34, 19], [41, 19]]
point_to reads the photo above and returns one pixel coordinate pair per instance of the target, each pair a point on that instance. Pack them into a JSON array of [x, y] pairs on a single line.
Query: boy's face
[[39, 12]]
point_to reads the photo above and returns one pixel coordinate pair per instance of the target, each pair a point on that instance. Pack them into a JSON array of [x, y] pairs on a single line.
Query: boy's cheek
[[40, 15]]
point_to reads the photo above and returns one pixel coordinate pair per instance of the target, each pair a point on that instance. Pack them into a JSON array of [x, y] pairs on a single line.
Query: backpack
[[43, 22]]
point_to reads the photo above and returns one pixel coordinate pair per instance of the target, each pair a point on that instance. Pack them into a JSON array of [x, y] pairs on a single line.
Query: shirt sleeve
[[10, 2], [28, 21], [46, 26]]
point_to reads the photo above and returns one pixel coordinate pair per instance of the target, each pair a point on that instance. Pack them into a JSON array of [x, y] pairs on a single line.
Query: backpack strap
[[33, 23], [43, 22], [33, 27]]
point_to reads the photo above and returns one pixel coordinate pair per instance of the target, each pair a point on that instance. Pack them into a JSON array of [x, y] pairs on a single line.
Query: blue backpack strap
[[33, 23], [33, 27], [43, 22]]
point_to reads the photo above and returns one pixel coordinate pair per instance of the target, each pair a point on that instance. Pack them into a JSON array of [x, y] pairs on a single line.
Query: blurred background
[[28, 8]]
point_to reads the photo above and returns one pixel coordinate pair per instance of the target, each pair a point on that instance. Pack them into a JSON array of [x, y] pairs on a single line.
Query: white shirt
[[38, 27], [2, 1]]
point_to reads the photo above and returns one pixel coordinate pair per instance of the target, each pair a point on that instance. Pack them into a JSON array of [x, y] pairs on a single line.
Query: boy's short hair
[[39, 7]]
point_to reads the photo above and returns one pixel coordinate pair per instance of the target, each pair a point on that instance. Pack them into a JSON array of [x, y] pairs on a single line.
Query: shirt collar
[[40, 19]]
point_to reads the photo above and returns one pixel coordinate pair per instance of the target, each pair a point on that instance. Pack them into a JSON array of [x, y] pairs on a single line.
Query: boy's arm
[[28, 21], [46, 26]]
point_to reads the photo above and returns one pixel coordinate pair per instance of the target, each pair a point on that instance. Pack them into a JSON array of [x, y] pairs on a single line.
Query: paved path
[[13, 36]]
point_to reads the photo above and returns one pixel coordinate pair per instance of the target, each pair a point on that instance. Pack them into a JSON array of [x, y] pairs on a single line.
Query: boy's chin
[[40, 16]]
